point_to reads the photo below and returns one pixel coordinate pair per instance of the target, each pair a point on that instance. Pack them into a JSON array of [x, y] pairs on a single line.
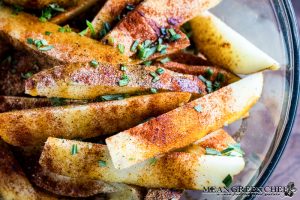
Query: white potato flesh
[[225, 47], [185, 125]]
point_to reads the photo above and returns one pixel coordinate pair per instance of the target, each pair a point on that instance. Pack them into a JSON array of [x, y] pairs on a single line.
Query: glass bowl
[[270, 25]]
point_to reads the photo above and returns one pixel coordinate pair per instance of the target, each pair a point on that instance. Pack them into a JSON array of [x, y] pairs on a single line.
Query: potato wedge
[[185, 125], [33, 127], [4, 49], [74, 11], [13, 182], [71, 187], [178, 170], [109, 12], [189, 59], [11, 103], [145, 21], [38, 4], [225, 47], [201, 70], [67, 47], [81, 81], [163, 194]]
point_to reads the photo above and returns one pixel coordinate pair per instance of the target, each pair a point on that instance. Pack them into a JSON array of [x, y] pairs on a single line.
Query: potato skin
[[33, 127], [81, 81], [38, 4], [163, 194], [67, 47]]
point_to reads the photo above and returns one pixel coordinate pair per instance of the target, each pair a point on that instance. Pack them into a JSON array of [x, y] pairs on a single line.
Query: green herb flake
[[94, 63], [221, 77], [121, 48], [152, 161], [102, 163], [56, 7], [172, 32], [111, 41], [227, 151], [48, 33], [153, 74], [27, 75], [134, 45], [46, 48], [147, 63], [146, 43], [124, 80], [175, 37], [55, 101], [74, 149], [209, 72], [153, 90], [155, 79], [160, 71], [198, 108], [214, 152], [227, 180], [123, 68], [165, 60], [30, 41], [91, 27], [112, 97]]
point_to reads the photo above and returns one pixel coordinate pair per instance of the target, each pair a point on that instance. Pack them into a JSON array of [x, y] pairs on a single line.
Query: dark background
[[288, 168]]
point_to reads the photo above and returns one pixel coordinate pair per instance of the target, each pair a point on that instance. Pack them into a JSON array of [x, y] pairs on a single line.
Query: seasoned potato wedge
[[10, 103], [74, 11], [201, 70], [185, 125], [4, 48], [41, 3], [60, 48], [178, 170], [13, 182], [72, 187], [225, 47], [81, 81], [33, 127], [145, 21], [109, 12], [163, 194], [189, 59]]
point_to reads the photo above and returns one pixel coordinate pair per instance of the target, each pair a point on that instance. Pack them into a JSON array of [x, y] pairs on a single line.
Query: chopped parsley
[[209, 72], [94, 63], [134, 45], [41, 45], [198, 108], [153, 161], [74, 149], [124, 80], [112, 97], [165, 60], [153, 90], [123, 68], [111, 41], [231, 150], [121, 48], [48, 12], [160, 71], [105, 29], [55, 101], [48, 33], [27, 75], [65, 29], [227, 180], [102, 163], [91, 27], [147, 63], [210, 151]]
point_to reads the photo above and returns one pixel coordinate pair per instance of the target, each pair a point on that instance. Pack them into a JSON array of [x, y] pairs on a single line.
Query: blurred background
[[288, 168]]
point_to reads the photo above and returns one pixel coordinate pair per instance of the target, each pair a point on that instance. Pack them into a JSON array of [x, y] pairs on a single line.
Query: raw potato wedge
[[71, 187], [13, 182], [38, 4], [33, 127], [145, 21], [200, 70], [18, 28], [74, 11], [10, 103], [109, 12], [185, 125], [163, 194], [81, 81], [225, 47], [177, 170]]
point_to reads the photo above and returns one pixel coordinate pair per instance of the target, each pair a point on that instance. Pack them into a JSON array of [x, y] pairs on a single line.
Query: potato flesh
[[81, 81], [33, 127], [225, 47], [178, 170], [185, 125], [67, 47]]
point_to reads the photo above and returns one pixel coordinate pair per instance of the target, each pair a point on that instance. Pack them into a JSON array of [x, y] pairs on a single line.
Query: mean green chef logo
[[280, 191]]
